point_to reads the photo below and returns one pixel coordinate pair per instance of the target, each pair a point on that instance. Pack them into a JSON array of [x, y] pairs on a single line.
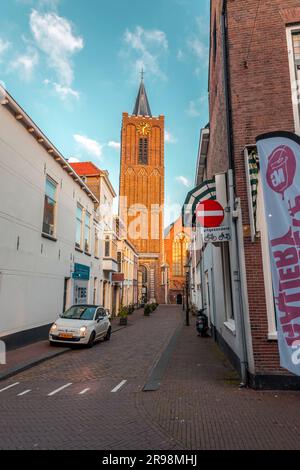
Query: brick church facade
[[142, 191]]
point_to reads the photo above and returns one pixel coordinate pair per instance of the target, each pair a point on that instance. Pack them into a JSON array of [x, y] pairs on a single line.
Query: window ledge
[[230, 325], [49, 237], [96, 257], [87, 253], [273, 336], [78, 249]]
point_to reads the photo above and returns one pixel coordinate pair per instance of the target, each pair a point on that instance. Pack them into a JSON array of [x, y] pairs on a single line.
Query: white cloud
[[4, 45], [169, 138], [198, 47], [184, 181], [180, 55], [92, 147], [73, 160], [195, 106], [145, 48], [25, 63], [55, 37], [65, 92], [114, 145]]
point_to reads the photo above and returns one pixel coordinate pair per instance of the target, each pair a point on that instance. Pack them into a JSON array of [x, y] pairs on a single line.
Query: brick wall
[[261, 102], [144, 185]]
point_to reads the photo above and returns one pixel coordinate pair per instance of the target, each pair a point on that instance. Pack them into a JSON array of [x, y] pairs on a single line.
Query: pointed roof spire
[[142, 107]]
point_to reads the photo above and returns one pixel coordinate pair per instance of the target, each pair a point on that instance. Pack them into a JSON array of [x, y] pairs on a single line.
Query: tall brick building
[[142, 190], [254, 68]]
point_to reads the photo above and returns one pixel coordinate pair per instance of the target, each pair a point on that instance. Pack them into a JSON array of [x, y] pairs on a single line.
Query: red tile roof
[[86, 169]]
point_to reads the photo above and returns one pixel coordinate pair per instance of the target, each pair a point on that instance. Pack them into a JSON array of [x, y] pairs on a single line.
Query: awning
[[206, 190]]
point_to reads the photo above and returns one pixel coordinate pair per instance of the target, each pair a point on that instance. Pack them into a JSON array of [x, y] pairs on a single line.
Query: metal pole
[[187, 301]]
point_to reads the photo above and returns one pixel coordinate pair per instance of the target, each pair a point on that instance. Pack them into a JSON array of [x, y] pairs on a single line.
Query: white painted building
[[50, 256], [99, 183]]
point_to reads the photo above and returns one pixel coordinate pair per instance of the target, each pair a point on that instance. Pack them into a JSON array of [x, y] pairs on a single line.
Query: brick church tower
[[142, 190]]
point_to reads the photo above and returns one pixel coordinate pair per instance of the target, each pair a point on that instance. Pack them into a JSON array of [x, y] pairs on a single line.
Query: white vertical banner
[[279, 154]]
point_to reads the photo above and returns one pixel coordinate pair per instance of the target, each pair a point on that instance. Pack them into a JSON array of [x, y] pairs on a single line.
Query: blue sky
[[74, 66]]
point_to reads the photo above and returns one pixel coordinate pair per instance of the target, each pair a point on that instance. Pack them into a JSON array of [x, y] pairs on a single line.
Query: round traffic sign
[[210, 214]]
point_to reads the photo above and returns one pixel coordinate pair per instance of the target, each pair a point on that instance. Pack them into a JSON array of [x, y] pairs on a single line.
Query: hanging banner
[[279, 155]]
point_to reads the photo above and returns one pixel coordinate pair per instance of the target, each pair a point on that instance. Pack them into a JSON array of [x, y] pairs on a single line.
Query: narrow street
[[94, 399]]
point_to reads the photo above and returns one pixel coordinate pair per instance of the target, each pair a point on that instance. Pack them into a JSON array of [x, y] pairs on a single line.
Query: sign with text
[[216, 235], [279, 154]]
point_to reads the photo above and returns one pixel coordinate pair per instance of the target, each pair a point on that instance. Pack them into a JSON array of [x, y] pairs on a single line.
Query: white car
[[81, 324]]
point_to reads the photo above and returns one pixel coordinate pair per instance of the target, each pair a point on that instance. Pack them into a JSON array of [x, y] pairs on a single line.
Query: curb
[[35, 362], [30, 364]]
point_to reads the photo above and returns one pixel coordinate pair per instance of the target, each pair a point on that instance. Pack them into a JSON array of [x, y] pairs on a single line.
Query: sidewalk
[[200, 406], [21, 359]]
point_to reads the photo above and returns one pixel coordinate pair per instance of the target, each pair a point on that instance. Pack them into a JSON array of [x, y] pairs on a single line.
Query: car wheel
[[52, 343], [91, 340], [108, 334]]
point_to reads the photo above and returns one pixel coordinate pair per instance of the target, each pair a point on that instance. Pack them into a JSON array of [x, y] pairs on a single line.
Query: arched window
[[180, 249], [144, 275]]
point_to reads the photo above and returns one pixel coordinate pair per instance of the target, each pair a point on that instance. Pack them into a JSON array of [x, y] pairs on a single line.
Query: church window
[[143, 151], [144, 274], [180, 248]]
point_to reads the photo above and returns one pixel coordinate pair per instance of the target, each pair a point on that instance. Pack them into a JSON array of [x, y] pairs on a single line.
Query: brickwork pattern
[[261, 101], [199, 405]]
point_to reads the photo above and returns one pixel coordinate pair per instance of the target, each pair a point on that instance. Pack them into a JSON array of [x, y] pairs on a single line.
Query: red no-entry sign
[[210, 214]]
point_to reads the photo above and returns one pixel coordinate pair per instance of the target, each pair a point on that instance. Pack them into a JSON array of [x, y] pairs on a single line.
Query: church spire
[[142, 107]]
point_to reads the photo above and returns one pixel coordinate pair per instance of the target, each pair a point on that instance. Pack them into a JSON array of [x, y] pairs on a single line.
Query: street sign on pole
[[210, 214], [214, 225]]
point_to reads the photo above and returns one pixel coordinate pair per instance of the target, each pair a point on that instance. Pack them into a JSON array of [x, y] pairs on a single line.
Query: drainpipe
[[239, 289], [235, 261], [227, 86]]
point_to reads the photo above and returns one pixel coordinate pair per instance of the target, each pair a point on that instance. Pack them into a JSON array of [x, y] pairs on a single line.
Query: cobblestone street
[[198, 406]]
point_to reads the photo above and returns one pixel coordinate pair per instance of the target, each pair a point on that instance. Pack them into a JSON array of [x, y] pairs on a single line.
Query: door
[[81, 292], [101, 322]]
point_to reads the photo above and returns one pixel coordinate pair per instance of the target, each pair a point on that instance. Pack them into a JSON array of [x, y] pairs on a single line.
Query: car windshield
[[80, 313]]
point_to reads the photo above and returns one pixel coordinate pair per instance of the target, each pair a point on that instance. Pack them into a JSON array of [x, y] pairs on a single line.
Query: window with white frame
[[87, 233], [228, 305], [293, 37], [79, 215], [49, 207]]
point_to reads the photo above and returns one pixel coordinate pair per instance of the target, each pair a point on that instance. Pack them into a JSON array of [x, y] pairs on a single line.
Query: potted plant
[[123, 316], [147, 310], [130, 309]]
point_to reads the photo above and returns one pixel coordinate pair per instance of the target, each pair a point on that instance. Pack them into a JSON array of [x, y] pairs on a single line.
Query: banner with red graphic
[[279, 155]]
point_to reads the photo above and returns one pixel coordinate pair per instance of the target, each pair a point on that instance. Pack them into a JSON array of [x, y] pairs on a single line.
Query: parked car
[[81, 324]]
